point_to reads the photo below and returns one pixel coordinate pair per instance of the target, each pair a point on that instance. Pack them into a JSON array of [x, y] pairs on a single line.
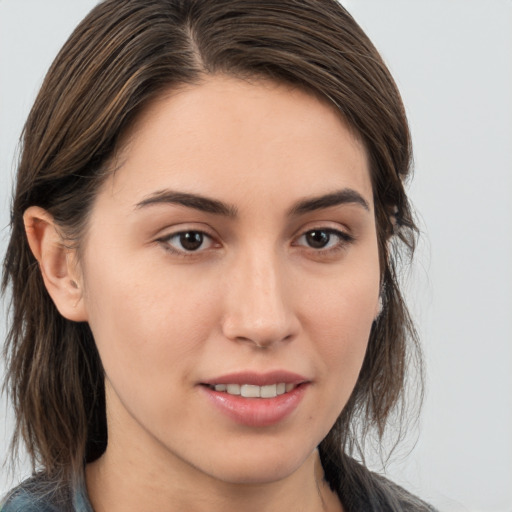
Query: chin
[[259, 468]]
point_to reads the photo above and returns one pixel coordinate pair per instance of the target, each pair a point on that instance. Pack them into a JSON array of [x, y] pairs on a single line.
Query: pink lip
[[257, 412], [258, 379]]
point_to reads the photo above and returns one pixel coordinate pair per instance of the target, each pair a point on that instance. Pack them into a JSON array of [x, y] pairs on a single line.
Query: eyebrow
[[208, 205], [195, 201], [344, 196]]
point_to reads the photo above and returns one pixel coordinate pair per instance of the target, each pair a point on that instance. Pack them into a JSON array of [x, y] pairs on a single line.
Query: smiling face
[[234, 250]]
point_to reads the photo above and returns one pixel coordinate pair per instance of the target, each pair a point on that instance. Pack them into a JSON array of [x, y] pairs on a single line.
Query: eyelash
[[166, 242], [344, 239]]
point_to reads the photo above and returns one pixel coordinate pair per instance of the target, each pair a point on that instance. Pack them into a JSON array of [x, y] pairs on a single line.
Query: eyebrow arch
[[344, 196], [195, 201]]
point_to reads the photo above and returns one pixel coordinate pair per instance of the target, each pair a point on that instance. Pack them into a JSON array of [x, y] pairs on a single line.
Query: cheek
[[343, 332], [145, 324], [339, 321]]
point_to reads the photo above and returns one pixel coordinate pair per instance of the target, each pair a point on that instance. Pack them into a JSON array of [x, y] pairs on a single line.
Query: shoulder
[[37, 494], [360, 489], [401, 499]]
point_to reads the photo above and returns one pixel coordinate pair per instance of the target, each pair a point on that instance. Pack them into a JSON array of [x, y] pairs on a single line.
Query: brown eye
[[185, 242], [324, 239], [317, 239], [191, 240]]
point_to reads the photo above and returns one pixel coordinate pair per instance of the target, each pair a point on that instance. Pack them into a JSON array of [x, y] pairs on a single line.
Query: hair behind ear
[[54, 373]]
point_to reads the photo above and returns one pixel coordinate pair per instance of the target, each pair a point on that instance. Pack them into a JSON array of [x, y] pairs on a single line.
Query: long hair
[[122, 56]]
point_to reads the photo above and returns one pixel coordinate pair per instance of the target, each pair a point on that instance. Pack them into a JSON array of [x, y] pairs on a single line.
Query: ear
[[58, 263]]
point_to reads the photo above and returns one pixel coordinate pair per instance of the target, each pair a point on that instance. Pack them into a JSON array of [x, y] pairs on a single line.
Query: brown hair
[[121, 56]]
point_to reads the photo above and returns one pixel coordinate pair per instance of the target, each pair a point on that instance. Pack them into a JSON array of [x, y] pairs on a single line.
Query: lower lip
[[256, 412]]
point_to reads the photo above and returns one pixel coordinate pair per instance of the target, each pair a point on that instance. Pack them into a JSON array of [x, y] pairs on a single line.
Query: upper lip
[[258, 379]]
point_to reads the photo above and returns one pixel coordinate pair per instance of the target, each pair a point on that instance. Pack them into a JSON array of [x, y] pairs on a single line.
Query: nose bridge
[[258, 307]]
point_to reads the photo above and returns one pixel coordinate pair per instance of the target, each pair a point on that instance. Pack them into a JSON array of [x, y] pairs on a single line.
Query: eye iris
[[191, 240], [317, 239]]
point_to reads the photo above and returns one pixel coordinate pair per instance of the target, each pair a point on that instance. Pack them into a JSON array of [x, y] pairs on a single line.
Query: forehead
[[229, 136]]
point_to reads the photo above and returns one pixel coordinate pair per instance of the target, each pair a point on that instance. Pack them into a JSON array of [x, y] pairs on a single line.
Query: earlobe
[[57, 263]]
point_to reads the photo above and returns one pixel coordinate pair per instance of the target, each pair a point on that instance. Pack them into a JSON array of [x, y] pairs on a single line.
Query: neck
[[118, 483]]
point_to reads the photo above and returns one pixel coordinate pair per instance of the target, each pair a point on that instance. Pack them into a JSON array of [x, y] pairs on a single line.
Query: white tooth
[[280, 388], [233, 389], [289, 387], [220, 387], [269, 391], [250, 391]]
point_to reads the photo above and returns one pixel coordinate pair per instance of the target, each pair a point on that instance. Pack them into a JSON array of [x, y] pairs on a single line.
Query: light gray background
[[452, 60]]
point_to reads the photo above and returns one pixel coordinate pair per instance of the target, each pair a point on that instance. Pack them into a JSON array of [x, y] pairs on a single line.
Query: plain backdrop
[[452, 60]]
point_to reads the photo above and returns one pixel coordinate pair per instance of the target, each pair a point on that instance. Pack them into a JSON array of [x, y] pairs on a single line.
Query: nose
[[258, 308]]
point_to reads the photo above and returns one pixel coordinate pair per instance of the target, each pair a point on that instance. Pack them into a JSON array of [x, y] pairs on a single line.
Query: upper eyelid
[[324, 225], [170, 231], [177, 233], [174, 230], [343, 234], [173, 234]]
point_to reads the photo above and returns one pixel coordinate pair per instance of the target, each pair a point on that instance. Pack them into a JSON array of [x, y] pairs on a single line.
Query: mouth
[[253, 390], [256, 399]]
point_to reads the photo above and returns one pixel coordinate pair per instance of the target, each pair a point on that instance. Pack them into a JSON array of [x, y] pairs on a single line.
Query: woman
[[206, 314]]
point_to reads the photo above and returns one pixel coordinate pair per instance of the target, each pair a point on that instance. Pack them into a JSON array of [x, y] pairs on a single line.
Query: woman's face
[[233, 250]]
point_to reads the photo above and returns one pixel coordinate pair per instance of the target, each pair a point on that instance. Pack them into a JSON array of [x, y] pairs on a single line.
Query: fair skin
[[182, 293]]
